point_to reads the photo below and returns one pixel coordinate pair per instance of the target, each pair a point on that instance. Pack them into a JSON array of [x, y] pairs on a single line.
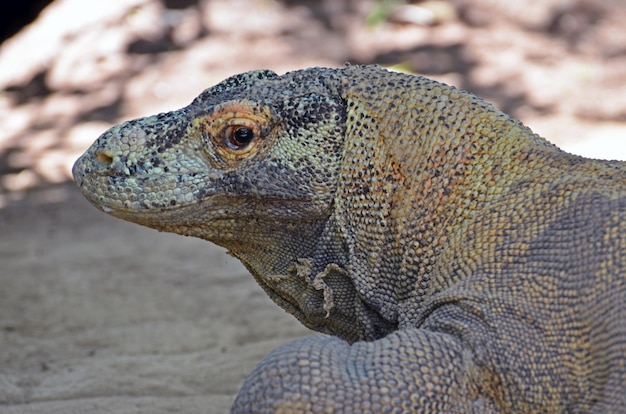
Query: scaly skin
[[459, 262]]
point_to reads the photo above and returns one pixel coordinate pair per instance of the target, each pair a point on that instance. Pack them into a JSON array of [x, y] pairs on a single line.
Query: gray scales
[[456, 261]]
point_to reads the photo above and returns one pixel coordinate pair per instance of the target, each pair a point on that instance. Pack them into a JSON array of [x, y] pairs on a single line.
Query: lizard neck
[[408, 189], [451, 186]]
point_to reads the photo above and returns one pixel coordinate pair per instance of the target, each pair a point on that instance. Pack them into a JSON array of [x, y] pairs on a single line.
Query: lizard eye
[[235, 132], [238, 137]]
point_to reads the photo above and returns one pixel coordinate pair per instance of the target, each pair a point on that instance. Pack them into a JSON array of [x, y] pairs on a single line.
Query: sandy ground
[[102, 316], [99, 316]]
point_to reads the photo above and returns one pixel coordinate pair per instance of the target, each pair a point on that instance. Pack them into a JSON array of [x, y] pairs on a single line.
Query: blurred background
[[97, 315], [69, 68]]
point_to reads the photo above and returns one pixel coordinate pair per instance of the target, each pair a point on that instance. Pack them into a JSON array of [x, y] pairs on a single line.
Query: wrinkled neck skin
[[273, 251], [308, 272], [303, 265]]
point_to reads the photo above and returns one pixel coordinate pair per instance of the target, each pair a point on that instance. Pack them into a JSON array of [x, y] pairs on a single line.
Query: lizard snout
[[118, 152]]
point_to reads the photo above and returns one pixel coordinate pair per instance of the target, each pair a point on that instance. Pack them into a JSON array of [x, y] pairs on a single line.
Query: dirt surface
[[102, 316]]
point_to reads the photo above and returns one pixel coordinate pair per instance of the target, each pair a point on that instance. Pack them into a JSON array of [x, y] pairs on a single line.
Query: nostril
[[104, 158]]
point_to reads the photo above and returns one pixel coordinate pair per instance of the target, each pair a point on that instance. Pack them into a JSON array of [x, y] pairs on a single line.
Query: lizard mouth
[[123, 193], [129, 195], [163, 203]]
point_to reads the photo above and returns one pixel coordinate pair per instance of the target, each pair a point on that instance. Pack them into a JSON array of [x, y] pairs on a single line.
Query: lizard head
[[255, 150], [252, 164]]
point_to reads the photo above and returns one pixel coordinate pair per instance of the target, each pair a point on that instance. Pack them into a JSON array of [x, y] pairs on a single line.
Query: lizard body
[[457, 261]]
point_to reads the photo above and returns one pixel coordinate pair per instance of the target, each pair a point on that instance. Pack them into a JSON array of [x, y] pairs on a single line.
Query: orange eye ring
[[235, 132]]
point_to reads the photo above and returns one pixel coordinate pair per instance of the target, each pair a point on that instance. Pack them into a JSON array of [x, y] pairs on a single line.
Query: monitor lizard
[[454, 260]]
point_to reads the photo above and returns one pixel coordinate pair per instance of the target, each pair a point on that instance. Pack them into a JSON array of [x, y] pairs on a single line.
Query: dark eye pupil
[[242, 136]]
